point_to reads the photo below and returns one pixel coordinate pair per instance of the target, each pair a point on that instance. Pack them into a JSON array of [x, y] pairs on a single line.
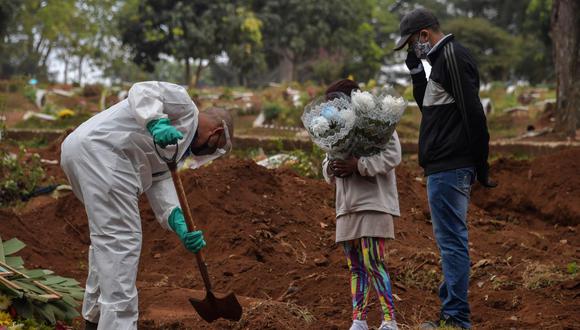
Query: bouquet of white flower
[[360, 125]]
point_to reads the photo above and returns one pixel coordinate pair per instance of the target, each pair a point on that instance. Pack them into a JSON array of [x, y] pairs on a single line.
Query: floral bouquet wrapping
[[360, 125]]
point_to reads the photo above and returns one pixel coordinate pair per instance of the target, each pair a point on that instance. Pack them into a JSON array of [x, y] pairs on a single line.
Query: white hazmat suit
[[109, 161]]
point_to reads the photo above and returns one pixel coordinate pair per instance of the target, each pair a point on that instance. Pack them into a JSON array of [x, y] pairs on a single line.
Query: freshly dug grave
[[547, 187], [270, 239]]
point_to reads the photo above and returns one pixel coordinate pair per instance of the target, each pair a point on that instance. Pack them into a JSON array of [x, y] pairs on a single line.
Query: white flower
[[362, 101], [348, 116], [5, 302], [394, 104], [319, 125]]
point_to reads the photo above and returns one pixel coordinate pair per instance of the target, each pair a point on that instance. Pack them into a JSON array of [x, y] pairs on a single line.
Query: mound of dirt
[[270, 237], [547, 186]]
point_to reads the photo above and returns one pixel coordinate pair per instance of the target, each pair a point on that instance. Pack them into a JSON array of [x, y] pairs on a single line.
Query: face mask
[[421, 49], [196, 161]]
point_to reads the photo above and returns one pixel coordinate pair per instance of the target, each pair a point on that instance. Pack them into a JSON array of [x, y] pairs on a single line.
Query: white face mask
[[196, 161], [421, 49]]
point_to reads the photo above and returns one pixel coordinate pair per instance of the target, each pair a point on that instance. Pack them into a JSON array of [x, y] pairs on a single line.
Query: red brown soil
[[548, 187], [270, 237]]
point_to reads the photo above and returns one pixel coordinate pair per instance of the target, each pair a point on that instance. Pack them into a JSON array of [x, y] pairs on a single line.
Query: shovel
[[211, 307]]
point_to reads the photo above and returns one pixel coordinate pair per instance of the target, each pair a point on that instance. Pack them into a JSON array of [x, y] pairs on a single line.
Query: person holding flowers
[[366, 190]]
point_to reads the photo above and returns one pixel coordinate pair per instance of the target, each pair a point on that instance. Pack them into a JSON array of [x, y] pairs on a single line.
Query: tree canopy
[[255, 41]]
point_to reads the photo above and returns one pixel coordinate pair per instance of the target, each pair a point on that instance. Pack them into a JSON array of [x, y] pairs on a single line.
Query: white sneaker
[[359, 325], [389, 325]]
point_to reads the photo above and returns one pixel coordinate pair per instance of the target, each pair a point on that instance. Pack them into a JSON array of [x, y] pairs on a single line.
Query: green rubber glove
[[193, 240], [163, 132]]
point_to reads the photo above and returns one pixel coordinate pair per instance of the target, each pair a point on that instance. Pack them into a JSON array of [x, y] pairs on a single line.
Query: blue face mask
[[421, 49]]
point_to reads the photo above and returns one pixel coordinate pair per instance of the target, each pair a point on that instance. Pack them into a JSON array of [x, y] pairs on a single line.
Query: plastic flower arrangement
[[360, 125]]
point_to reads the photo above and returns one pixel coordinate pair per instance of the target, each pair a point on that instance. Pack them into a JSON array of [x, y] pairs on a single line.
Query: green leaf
[[47, 313], [23, 308], [58, 313], [50, 280], [14, 262], [35, 274], [78, 295], [2, 256], [36, 297], [71, 314], [29, 286], [12, 246], [63, 282], [15, 292], [69, 300]]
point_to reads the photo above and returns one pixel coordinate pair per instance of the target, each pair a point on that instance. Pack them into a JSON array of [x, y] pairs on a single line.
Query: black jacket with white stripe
[[453, 131]]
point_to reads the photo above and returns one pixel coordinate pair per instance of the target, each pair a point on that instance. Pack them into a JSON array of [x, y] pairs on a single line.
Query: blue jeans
[[448, 194]]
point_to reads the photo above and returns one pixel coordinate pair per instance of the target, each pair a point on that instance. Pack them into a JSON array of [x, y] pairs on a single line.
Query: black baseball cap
[[412, 22]]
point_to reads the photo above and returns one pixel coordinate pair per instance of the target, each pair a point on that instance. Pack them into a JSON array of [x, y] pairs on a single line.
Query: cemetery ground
[[270, 232]]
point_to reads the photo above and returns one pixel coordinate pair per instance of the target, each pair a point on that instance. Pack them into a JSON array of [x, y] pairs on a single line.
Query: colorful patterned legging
[[365, 257]]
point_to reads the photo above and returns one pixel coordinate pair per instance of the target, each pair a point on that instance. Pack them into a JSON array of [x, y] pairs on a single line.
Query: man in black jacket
[[453, 149]]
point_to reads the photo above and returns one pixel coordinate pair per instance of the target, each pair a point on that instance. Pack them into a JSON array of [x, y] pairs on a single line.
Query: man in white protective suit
[[110, 160]]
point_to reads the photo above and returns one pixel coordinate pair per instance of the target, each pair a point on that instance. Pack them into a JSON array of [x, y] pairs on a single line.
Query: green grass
[[37, 142]]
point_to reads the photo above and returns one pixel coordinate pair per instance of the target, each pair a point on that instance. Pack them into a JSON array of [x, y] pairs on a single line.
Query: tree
[[245, 47], [528, 20], [72, 28], [7, 11], [185, 30], [494, 49], [537, 65], [36, 27], [508, 15], [298, 31], [566, 37]]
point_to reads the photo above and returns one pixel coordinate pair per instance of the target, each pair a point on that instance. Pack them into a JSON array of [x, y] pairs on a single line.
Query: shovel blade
[[212, 308]]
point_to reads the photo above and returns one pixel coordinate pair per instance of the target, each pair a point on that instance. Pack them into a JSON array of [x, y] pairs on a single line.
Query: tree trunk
[[46, 55], [81, 60], [286, 66], [187, 72], [198, 72], [66, 60], [565, 26]]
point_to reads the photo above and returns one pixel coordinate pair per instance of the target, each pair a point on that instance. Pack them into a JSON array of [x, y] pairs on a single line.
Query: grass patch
[[37, 142], [423, 279], [537, 276]]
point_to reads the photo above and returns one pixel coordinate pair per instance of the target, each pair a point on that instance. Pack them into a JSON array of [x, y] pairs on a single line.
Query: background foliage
[[253, 42]]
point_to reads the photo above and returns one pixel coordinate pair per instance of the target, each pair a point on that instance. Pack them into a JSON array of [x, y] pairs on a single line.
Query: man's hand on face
[[413, 62], [344, 168]]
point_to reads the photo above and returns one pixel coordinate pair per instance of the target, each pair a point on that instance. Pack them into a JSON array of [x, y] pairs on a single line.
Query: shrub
[[19, 175], [30, 93], [272, 111], [326, 70], [15, 84], [307, 163], [227, 95], [92, 90]]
